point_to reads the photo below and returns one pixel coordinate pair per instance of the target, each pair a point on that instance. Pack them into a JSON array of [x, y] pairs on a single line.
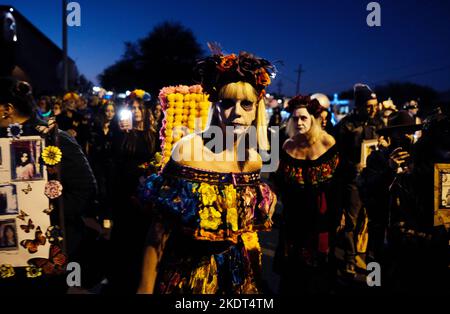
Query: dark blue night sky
[[329, 38]]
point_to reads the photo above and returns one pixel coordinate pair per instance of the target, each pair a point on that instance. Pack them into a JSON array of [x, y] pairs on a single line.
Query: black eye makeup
[[247, 105], [227, 103]]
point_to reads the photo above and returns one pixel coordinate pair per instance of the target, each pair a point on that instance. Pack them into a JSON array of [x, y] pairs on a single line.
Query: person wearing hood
[[361, 124]]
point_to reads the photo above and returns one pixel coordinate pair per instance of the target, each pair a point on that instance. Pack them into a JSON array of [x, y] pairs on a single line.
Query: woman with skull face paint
[[210, 208], [305, 180]]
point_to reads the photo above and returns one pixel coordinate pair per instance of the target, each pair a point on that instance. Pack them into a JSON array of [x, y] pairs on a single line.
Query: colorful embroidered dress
[[306, 188], [213, 218]]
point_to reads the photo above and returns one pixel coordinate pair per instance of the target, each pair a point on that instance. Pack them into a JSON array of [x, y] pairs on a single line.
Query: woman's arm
[[158, 236]]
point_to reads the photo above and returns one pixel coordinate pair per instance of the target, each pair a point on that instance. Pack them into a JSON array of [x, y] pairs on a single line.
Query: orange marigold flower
[[263, 78], [227, 61]]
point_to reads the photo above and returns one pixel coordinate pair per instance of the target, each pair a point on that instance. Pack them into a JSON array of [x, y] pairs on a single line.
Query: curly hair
[[312, 105]]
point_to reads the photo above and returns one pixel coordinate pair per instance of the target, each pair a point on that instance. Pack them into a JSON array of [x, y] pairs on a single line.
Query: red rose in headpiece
[[262, 78], [227, 62]]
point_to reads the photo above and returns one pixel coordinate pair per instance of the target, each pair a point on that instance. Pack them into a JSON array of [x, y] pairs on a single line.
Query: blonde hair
[[312, 135], [244, 90]]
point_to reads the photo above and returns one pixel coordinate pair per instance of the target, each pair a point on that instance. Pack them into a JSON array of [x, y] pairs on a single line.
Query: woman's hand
[[72, 132], [397, 158], [125, 125]]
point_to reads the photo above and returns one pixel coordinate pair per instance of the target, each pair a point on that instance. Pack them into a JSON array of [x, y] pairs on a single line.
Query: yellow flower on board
[[33, 271], [51, 155], [6, 271]]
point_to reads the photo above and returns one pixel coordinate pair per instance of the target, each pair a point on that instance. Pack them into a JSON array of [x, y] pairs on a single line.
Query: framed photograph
[[367, 147], [8, 235], [442, 195], [8, 199], [25, 155]]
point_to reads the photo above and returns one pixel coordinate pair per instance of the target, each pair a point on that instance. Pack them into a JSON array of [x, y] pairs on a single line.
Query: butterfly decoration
[[49, 209], [32, 245], [22, 215], [28, 189], [54, 265], [54, 234], [27, 227]]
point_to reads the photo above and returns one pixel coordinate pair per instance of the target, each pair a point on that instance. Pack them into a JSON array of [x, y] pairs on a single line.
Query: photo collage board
[[24, 217]]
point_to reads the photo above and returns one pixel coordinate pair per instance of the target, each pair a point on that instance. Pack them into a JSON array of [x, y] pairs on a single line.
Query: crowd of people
[[193, 227]]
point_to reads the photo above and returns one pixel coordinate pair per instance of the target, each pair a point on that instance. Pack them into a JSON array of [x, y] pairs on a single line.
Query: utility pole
[[299, 74], [64, 44], [280, 86]]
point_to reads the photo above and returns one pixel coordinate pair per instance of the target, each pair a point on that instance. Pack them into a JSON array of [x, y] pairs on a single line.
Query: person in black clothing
[[17, 106], [69, 120], [417, 255], [350, 132], [131, 147], [101, 157], [383, 166]]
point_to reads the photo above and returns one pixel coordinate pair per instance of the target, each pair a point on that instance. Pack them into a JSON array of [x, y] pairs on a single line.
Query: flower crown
[[140, 94], [312, 105], [217, 70], [71, 96]]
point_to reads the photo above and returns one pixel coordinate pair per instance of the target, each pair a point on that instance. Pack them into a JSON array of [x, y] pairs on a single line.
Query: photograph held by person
[[133, 143], [361, 124], [305, 182], [205, 239], [17, 106]]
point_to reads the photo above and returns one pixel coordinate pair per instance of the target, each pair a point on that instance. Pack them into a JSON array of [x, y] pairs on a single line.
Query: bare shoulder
[[254, 163], [183, 150], [327, 140], [288, 144]]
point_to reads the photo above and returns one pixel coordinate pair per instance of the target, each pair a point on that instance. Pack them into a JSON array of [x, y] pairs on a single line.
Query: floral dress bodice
[[209, 205]]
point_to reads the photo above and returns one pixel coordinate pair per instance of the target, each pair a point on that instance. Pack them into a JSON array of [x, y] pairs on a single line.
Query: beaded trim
[[173, 169]]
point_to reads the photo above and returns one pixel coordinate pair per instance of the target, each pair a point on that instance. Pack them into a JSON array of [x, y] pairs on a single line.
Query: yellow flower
[[210, 218], [251, 241], [171, 98], [33, 271], [6, 271], [51, 155], [232, 218], [227, 199], [208, 194], [204, 105], [170, 111], [178, 97], [139, 93]]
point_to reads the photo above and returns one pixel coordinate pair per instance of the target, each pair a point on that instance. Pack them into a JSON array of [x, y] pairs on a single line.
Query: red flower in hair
[[227, 62], [262, 78]]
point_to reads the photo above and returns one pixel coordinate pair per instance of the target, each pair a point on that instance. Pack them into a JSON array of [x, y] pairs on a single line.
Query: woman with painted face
[[306, 181], [209, 208]]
